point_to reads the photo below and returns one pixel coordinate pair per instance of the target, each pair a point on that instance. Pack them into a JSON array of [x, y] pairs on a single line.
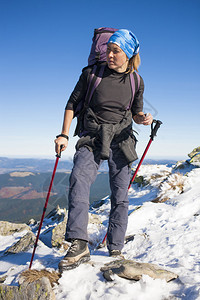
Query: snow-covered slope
[[164, 232]]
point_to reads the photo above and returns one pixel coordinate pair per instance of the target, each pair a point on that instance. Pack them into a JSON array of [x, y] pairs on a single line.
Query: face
[[116, 58]]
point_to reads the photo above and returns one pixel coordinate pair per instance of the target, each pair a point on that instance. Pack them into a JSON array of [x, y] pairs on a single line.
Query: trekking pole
[[154, 130], [153, 134], [45, 206]]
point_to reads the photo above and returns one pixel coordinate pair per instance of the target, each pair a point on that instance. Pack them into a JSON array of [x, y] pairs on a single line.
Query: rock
[[194, 160], [98, 203], [129, 238], [53, 236], [195, 157], [140, 180], [32, 222], [39, 289], [133, 270], [7, 228], [57, 214], [10, 292], [58, 233], [3, 278], [181, 165], [194, 152], [23, 244]]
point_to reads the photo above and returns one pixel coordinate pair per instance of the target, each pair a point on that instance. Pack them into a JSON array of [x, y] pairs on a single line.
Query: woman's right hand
[[60, 141]]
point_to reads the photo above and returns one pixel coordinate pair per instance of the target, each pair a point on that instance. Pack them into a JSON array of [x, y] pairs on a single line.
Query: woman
[[109, 135]]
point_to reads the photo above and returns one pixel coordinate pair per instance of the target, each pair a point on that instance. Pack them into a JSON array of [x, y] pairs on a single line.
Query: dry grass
[[170, 187], [33, 275], [156, 176], [163, 174], [160, 199], [179, 186], [177, 182]]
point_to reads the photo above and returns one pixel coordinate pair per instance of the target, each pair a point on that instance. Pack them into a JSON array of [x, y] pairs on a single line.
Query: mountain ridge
[[8, 165]]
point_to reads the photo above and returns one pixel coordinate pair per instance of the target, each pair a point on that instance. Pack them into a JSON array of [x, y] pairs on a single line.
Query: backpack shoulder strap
[[137, 80], [94, 80], [135, 84]]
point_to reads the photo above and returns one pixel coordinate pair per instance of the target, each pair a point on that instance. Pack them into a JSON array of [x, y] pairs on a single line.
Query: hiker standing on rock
[[105, 134]]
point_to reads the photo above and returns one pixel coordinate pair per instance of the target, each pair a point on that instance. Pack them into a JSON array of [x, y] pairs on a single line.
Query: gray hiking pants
[[84, 172]]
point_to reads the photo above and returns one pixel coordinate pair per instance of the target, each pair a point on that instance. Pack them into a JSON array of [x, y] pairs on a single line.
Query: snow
[[166, 234]]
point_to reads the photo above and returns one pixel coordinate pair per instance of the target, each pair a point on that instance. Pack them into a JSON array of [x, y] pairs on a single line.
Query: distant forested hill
[[24, 184], [23, 194]]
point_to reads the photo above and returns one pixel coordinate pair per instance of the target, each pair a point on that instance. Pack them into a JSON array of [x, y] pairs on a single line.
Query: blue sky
[[46, 43]]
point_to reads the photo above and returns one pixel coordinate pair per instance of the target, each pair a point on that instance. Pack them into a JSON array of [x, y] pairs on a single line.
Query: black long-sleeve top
[[111, 98]]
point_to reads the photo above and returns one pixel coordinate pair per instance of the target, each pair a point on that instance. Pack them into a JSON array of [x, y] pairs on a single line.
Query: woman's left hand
[[141, 118], [148, 119]]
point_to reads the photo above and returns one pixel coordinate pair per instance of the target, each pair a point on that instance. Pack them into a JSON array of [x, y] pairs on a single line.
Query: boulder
[[181, 165], [58, 233], [140, 180], [39, 289], [26, 242], [195, 156], [10, 292], [133, 270], [57, 214], [194, 152], [54, 235], [7, 228], [3, 278], [32, 222]]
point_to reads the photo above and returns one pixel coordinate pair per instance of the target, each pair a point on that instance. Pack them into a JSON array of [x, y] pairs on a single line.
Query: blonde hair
[[134, 63]]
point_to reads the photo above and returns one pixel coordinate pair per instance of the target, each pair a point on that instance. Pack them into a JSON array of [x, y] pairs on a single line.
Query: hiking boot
[[77, 254], [115, 253]]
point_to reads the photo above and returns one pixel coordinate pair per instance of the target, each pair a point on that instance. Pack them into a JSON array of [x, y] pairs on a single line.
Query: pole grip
[[59, 154], [155, 128]]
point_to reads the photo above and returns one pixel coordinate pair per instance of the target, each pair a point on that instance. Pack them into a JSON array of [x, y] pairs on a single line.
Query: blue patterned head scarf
[[127, 41]]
